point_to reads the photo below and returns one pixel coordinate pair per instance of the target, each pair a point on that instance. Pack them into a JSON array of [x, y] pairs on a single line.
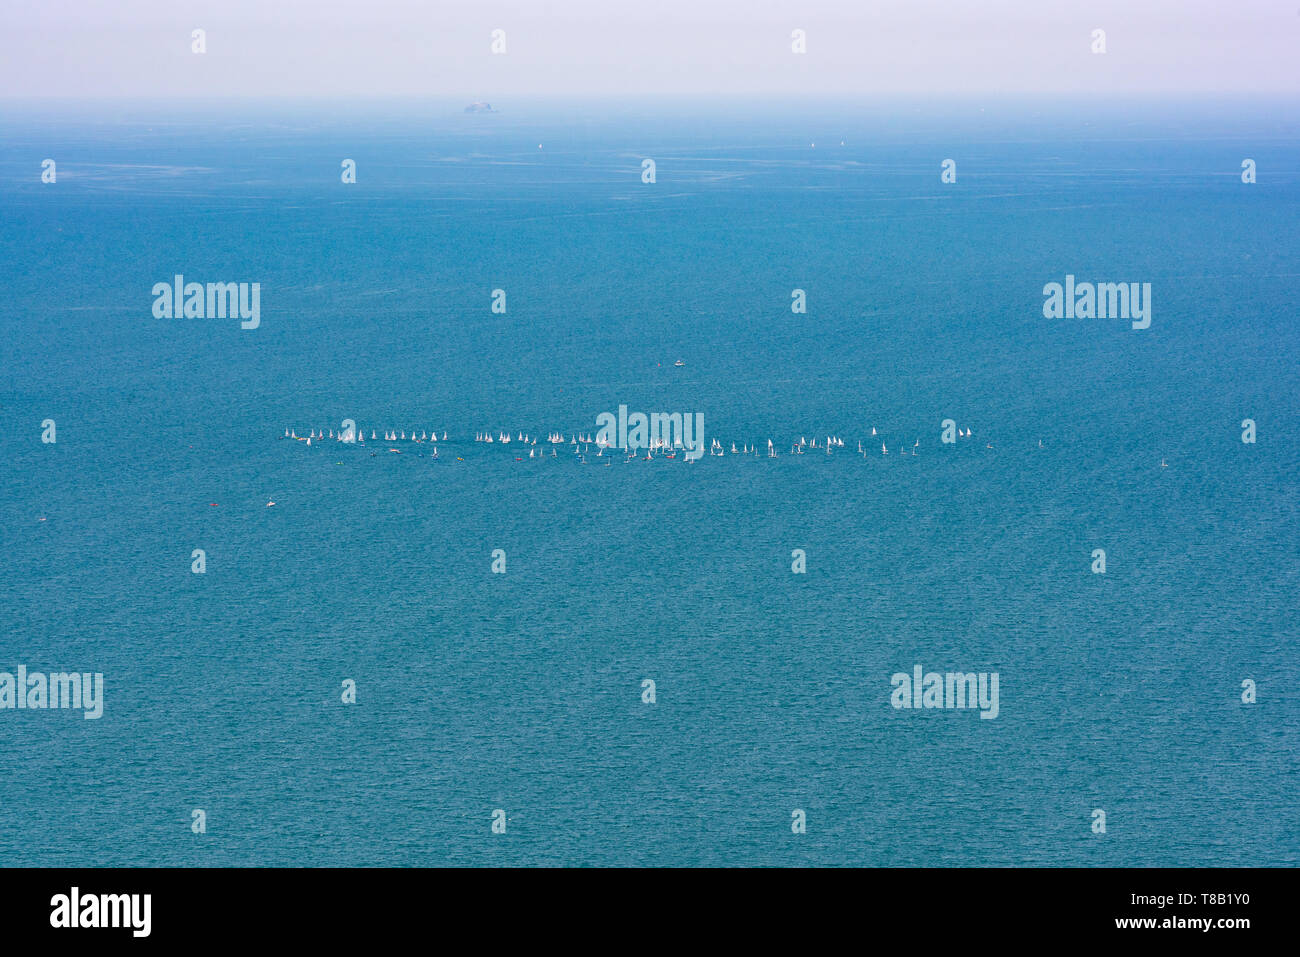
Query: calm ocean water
[[522, 691]]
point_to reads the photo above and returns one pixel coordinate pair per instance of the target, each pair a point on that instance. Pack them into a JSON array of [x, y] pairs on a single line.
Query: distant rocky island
[[479, 107]]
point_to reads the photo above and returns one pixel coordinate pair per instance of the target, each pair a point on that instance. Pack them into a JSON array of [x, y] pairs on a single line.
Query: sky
[[858, 48]]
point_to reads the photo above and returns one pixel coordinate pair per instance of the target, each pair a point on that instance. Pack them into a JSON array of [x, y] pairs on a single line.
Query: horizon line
[[938, 99]]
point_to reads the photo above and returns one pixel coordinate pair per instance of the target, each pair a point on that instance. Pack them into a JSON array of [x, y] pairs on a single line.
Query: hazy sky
[[141, 48]]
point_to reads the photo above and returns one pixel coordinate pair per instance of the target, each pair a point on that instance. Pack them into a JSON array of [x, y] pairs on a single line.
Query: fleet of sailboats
[[580, 444]]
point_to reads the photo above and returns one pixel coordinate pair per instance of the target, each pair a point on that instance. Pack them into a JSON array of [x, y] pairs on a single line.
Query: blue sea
[[523, 692]]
